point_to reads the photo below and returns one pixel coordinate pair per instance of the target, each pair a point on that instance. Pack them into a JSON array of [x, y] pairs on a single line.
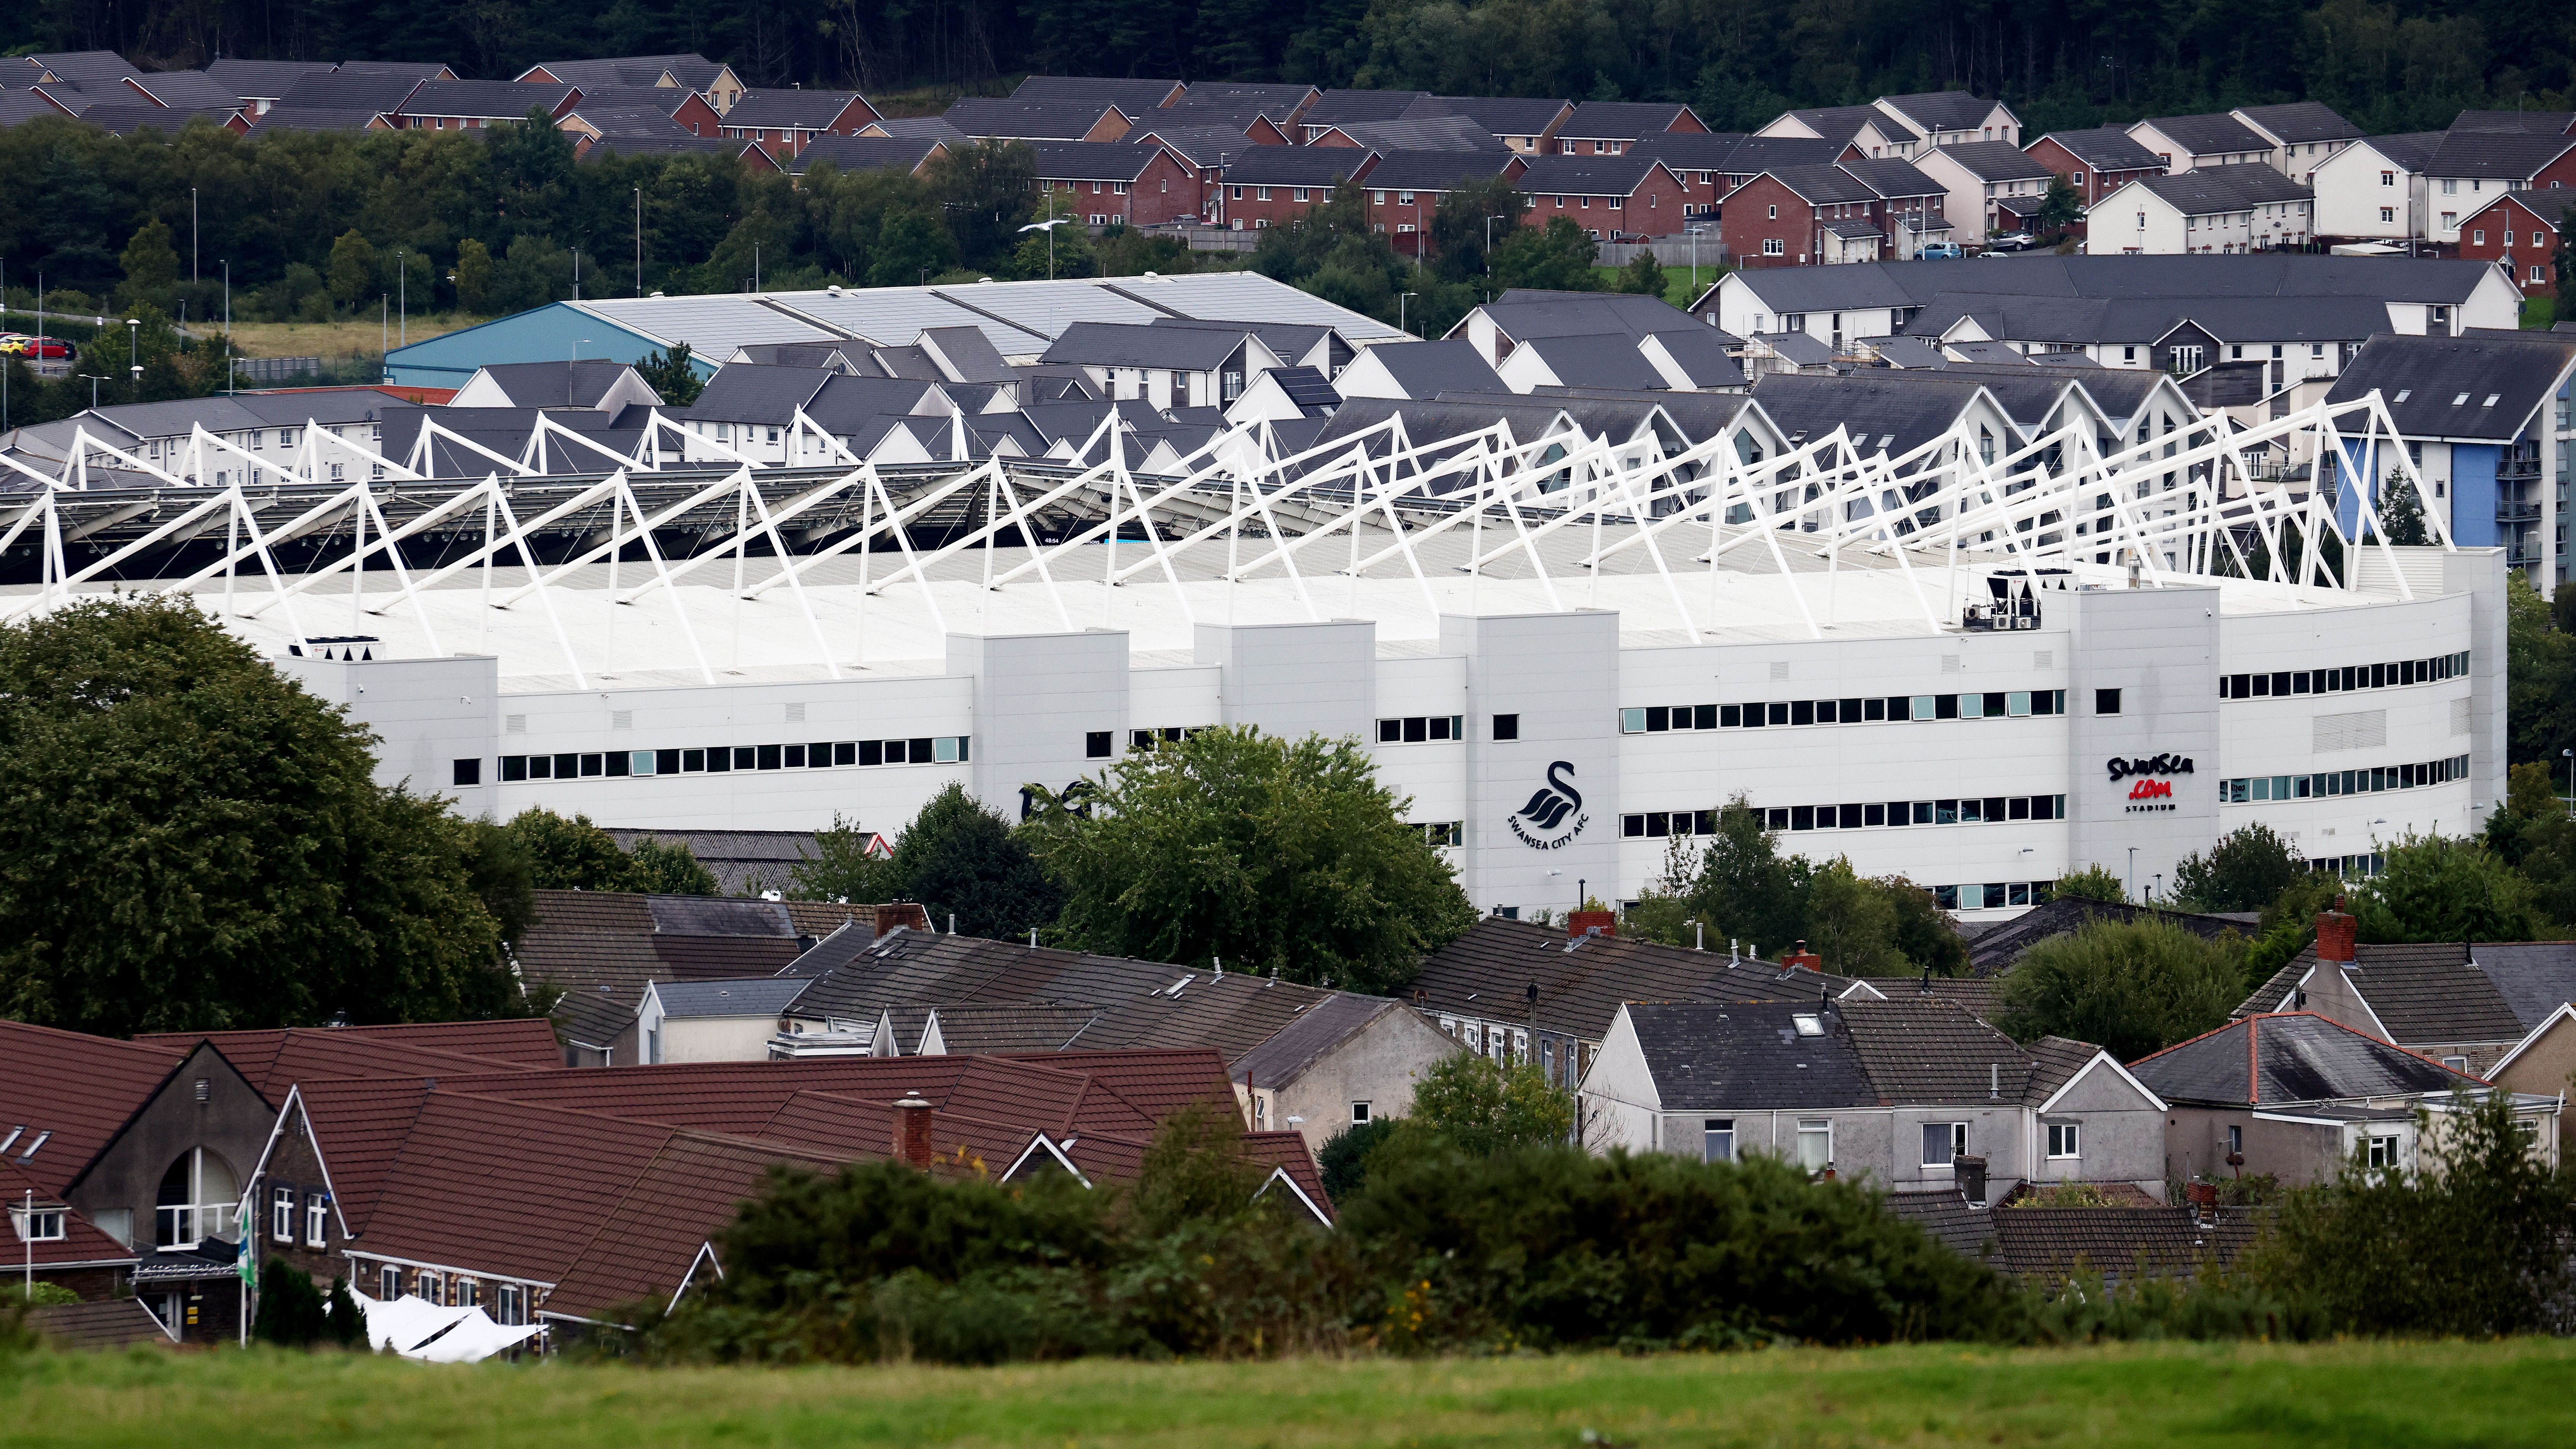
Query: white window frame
[[281, 1214], [1814, 1127], [1711, 1130], [317, 1220], [1955, 1142], [2065, 1141], [1359, 1114]]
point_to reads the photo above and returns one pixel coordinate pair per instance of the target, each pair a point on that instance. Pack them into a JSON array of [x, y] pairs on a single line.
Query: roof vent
[[204, 1089]]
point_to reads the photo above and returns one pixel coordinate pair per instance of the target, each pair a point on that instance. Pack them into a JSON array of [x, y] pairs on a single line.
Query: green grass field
[[2422, 1396]]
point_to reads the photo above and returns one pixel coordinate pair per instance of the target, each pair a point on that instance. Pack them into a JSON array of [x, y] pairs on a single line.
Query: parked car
[[1939, 251], [49, 349], [2018, 241]]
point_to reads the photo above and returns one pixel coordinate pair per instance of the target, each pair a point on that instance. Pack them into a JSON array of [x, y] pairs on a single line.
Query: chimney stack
[[2334, 936], [1802, 957], [1971, 1174], [1579, 924], [902, 913], [912, 1132]]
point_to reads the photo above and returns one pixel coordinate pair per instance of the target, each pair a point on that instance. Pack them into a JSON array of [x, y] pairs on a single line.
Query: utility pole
[[576, 274], [134, 353], [402, 285], [639, 241], [230, 367], [192, 235], [1399, 308]]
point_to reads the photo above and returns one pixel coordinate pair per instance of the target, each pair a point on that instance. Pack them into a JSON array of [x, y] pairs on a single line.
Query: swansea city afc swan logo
[[1554, 814]]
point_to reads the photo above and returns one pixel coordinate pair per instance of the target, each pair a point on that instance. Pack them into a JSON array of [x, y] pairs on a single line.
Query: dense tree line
[[2391, 64]]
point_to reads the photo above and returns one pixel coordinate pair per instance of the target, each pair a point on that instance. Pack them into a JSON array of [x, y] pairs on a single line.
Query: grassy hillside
[[2417, 1395]]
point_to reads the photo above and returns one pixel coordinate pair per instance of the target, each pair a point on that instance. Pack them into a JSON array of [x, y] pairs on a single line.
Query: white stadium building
[[1982, 669]]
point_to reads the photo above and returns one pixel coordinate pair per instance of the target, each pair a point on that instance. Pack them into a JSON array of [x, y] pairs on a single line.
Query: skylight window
[[2491, 400], [2455, 402], [1808, 1024], [2402, 392]]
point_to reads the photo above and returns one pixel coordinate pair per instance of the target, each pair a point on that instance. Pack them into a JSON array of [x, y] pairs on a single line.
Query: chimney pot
[[912, 1131], [2335, 928]]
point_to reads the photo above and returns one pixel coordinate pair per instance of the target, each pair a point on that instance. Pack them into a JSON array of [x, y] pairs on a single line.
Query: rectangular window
[[316, 1220], [1717, 1139], [1095, 744], [510, 1305], [1815, 1144], [2383, 1152], [2106, 701], [281, 1215], [388, 1283], [568, 766], [469, 772], [1943, 1141], [1359, 1113], [1507, 727], [666, 762], [2065, 1139]]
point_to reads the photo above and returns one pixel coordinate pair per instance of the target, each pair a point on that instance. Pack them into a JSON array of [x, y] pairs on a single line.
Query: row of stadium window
[[2001, 704], [2255, 789], [2283, 682], [718, 759], [1991, 809]]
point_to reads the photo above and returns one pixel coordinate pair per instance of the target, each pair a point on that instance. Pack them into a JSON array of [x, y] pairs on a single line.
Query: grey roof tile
[[2481, 388], [2211, 134], [2301, 122], [2105, 148], [2291, 1057]]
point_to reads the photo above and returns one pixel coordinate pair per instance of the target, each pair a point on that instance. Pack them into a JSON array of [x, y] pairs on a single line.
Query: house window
[[2478, 237], [1815, 1144], [2065, 1139], [469, 1292], [1717, 1139], [2387, 215], [1359, 1114], [1943, 1141], [1772, 246], [1775, 213], [281, 1215], [1095, 744], [2383, 1152], [314, 1220], [427, 1285], [510, 1305], [388, 1283], [2236, 1142], [38, 1225]]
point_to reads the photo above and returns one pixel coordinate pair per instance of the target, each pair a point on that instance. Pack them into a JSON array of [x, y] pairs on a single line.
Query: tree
[[1643, 276], [533, 272], [2401, 513], [961, 859], [1343, 1159], [671, 375], [844, 867], [1482, 1109], [1469, 213], [2130, 988], [1926, 935], [669, 868], [1744, 890], [2244, 871], [474, 277], [570, 855], [151, 265], [2434, 888], [1556, 257], [189, 841], [2092, 883], [291, 1313], [2061, 208], [2540, 670], [909, 244], [1272, 854], [1850, 922], [985, 189], [353, 269]]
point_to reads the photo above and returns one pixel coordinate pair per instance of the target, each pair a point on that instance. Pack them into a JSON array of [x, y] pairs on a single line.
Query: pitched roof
[[1198, 145], [2535, 978], [1420, 133], [1822, 185], [2544, 123], [2280, 1058], [798, 108], [1487, 974], [1293, 1048], [1943, 110], [2480, 388], [1289, 165], [1839, 124], [1906, 408], [2505, 155], [2208, 134], [1749, 1056], [1133, 96], [485, 99], [262, 79], [2213, 190], [99, 1323], [72, 1093], [1425, 368], [1499, 115], [746, 996], [1587, 175], [1995, 950], [2300, 122], [2424, 995], [693, 71], [357, 1128], [1733, 154], [519, 1041], [1430, 170], [1926, 1049], [1605, 360], [863, 153], [2050, 1243], [1126, 344], [1334, 107], [2105, 148], [82, 1242], [1887, 176], [645, 1244], [1994, 160], [1092, 160], [1037, 1027], [935, 128], [1616, 120], [1054, 120]]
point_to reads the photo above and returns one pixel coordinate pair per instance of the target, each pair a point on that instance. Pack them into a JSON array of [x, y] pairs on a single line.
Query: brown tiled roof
[[850, 1129], [2055, 1061], [104, 1323], [1149, 1084], [357, 1129], [821, 918], [80, 1088], [1288, 1152], [739, 1098], [272, 1061], [81, 1242], [2430, 993], [1487, 973], [504, 1187], [1032, 1028], [593, 911], [1980, 996], [1923, 1049], [2049, 1243], [644, 1246], [525, 1041]]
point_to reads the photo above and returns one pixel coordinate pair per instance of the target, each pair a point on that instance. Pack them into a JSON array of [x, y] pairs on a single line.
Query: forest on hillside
[[2399, 65]]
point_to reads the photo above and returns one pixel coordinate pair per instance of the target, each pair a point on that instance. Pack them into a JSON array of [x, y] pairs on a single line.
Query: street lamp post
[[134, 353], [402, 288], [639, 241], [192, 234], [1399, 308], [94, 380]]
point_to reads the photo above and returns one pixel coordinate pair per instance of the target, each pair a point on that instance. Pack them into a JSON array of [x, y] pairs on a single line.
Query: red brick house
[[1116, 184], [784, 121], [2522, 230], [1802, 216], [1270, 185], [1630, 195], [1405, 188], [1205, 152], [2098, 160]]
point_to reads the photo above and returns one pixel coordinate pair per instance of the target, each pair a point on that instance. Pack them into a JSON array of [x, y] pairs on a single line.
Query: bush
[[1344, 1158], [290, 1312]]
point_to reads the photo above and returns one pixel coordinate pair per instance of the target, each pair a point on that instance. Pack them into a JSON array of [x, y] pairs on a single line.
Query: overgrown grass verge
[[2414, 1394]]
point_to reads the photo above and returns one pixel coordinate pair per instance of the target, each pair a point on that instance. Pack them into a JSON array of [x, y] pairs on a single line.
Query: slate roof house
[[2096, 161], [2296, 1096], [1417, 370], [1952, 118], [2242, 207], [1895, 1090]]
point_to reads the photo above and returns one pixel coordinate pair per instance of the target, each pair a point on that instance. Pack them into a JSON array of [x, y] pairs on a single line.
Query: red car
[[49, 349]]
